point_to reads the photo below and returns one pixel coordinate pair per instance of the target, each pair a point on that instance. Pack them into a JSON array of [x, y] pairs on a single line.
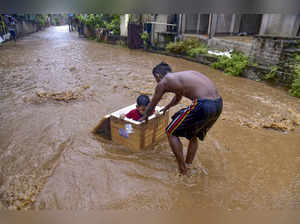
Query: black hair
[[143, 100], [162, 69]]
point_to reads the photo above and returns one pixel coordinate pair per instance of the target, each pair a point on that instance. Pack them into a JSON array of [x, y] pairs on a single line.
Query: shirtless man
[[192, 122]]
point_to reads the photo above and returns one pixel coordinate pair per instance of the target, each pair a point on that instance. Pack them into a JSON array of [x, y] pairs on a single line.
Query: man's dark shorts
[[196, 119]]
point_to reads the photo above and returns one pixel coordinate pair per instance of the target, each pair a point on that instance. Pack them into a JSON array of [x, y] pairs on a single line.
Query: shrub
[[176, 48], [145, 38], [194, 52], [295, 88], [92, 20], [234, 65], [183, 47], [41, 20]]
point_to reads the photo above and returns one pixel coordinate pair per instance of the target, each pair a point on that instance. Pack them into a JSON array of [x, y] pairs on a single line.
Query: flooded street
[[55, 87]]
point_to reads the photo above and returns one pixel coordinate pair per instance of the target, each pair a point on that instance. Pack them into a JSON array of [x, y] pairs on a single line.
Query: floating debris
[[61, 96], [276, 121], [65, 96]]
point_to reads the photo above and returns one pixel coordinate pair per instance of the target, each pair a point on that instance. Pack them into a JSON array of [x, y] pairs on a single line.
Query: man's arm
[[159, 92], [176, 99]]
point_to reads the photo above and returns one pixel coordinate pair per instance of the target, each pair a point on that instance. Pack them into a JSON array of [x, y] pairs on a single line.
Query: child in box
[[141, 105]]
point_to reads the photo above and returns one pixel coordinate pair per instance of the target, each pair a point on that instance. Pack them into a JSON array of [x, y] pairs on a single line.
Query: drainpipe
[[210, 25], [179, 28]]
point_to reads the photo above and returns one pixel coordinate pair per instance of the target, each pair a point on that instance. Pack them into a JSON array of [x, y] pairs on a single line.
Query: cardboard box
[[134, 135]]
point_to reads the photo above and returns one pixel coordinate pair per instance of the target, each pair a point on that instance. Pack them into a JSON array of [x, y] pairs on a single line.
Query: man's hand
[[144, 118]]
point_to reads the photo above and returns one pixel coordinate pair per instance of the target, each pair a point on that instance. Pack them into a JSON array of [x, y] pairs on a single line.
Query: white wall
[[124, 19], [278, 24]]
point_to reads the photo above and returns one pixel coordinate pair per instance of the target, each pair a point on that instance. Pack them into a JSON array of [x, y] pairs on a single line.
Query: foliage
[[176, 48], [93, 20], [183, 47], [297, 57], [41, 20], [234, 65], [272, 74], [113, 24], [81, 18], [194, 52], [145, 37], [96, 21], [295, 88]]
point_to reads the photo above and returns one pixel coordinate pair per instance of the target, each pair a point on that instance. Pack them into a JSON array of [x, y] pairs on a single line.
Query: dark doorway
[[250, 23], [204, 21]]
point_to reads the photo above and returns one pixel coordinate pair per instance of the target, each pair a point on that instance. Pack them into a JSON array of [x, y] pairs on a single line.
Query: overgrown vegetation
[[295, 88], [234, 65], [95, 21], [41, 20], [194, 52], [191, 47], [272, 74], [145, 37]]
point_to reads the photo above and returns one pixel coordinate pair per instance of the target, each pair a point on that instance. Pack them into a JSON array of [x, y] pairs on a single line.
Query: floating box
[[134, 135]]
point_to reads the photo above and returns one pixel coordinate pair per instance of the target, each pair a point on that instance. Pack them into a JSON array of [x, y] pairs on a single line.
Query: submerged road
[[55, 87]]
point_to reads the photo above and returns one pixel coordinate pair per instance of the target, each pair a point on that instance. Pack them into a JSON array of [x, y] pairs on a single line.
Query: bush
[[234, 65], [41, 20], [145, 37], [113, 24], [183, 47], [176, 48], [295, 88], [92, 20], [194, 52]]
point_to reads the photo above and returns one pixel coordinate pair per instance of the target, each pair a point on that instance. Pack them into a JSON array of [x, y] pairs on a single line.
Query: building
[[240, 24]]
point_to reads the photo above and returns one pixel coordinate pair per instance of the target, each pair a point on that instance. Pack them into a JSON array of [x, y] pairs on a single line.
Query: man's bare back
[[190, 84]]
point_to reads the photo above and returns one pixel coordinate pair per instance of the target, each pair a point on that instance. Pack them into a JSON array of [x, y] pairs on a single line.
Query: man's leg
[[192, 149], [177, 149]]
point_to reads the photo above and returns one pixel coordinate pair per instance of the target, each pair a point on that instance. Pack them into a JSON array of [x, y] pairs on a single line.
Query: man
[[12, 27], [70, 22], [192, 122]]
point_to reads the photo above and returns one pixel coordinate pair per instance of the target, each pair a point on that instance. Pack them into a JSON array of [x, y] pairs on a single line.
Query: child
[[142, 103]]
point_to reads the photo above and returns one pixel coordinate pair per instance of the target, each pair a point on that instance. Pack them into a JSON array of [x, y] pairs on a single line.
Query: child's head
[[142, 103]]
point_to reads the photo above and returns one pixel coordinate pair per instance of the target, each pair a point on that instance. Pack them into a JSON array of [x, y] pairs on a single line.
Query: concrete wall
[[278, 24], [24, 28], [230, 44], [296, 30], [271, 50]]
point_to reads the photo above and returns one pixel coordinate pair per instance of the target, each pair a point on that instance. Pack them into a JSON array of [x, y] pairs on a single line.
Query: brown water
[[50, 160]]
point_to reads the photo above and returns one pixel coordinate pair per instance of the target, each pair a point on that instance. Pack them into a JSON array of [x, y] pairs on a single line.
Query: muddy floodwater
[[55, 87]]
